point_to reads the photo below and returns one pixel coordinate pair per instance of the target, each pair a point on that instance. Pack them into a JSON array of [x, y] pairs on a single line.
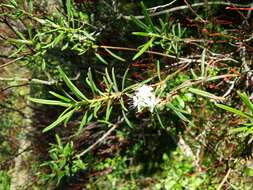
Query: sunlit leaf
[[178, 113], [144, 48], [124, 79], [204, 94], [114, 80], [108, 110], [140, 23], [246, 101], [115, 56], [71, 86], [126, 119], [147, 17], [60, 96], [159, 119], [235, 111], [49, 102], [58, 121]]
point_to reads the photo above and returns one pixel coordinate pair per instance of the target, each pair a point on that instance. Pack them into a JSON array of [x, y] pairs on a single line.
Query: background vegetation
[[108, 94]]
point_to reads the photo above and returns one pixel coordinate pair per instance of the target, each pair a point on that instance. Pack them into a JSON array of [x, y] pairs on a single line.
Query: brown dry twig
[[179, 8], [10, 62], [114, 126]]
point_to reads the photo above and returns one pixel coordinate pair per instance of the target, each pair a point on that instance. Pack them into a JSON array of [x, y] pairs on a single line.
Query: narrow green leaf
[[14, 3], [248, 132], [145, 81], [65, 46], [90, 118], [92, 84], [147, 17], [65, 111], [204, 93], [21, 41], [86, 34], [158, 69], [107, 84], [20, 34], [122, 104], [235, 111], [179, 110], [180, 101], [109, 124], [124, 79], [100, 58], [115, 56], [84, 121], [70, 115], [137, 84], [127, 120], [193, 74], [114, 81], [239, 129], [246, 101], [30, 5], [70, 97], [140, 23], [179, 114], [108, 110], [60, 96], [58, 121], [58, 140], [69, 10], [58, 39], [96, 109], [144, 48], [145, 34], [49, 102], [17, 51], [115, 88], [71, 86], [159, 119], [30, 30]]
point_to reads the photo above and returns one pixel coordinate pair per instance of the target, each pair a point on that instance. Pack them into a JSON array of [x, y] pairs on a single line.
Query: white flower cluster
[[145, 98]]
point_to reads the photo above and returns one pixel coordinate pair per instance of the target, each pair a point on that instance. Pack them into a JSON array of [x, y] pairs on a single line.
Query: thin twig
[[249, 13], [153, 9], [194, 12], [10, 62], [101, 139], [190, 83], [230, 88], [29, 80], [13, 86], [11, 158], [36, 81], [149, 52], [187, 59], [179, 8], [224, 179]]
